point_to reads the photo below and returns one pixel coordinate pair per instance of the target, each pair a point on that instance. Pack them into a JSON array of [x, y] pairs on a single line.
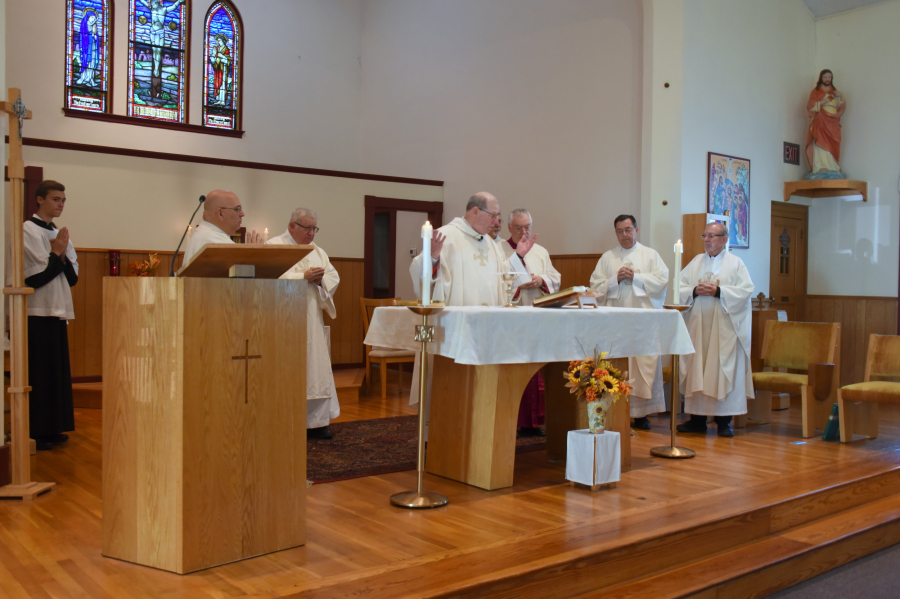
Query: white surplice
[[466, 275], [205, 233], [537, 262], [54, 298], [647, 290], [321, 394], [716, 380]]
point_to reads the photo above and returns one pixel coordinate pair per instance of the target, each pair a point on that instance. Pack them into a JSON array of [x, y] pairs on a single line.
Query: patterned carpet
[[370, 447]]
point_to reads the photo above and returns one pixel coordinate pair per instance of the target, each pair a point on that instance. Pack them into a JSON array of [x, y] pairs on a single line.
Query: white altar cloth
[[479, 335]]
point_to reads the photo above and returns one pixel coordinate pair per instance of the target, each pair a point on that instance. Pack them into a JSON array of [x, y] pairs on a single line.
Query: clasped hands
[[707, 289], [314, 275], [59, 245], [626, 272]]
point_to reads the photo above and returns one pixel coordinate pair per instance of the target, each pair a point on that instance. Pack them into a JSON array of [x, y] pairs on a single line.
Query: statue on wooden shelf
[[826, 105]]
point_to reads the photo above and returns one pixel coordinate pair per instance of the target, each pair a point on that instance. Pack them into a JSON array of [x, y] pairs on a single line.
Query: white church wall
[[109, 206], [747, 70], [537, 102], [854, 246]]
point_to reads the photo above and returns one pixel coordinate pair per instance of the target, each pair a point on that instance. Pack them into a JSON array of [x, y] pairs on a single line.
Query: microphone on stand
[[172, 271]]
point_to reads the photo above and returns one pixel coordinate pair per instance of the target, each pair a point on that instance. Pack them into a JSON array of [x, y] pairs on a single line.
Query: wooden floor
[[50, 547]]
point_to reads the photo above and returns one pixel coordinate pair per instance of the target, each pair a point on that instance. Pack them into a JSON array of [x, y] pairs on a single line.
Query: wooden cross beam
[[22, 486]]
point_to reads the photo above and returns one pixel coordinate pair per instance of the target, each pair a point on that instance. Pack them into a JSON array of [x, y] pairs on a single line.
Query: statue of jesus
[[823, 139]]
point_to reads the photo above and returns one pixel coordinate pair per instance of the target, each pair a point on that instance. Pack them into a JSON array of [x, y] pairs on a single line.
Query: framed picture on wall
[[729, 190]]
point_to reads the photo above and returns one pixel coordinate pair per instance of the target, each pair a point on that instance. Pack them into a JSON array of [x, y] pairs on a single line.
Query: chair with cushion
[[812, 347], [382, 355], [858, 404]]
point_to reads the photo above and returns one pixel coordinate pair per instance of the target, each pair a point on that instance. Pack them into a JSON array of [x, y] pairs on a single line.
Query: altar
[[484, 358]]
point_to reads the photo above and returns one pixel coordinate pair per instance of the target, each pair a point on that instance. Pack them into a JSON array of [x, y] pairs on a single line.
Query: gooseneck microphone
[[172, 271]]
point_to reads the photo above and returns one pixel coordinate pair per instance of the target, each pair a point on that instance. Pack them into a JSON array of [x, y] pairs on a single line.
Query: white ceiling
[[824, 8]]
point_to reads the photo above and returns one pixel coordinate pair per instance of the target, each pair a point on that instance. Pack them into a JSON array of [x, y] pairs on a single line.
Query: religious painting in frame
[[729, 190], [88, 72], [157, 59], [223, 49]]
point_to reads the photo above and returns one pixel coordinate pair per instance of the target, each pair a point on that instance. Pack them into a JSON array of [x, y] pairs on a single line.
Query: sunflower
[[609, 385], [599, 410]]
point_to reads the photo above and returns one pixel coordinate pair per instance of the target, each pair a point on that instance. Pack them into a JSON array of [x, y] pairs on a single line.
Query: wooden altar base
[[747, 516]]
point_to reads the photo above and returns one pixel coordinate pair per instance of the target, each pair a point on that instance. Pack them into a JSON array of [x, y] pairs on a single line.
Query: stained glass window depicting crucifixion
[[223, 66], [87, 55], [157, 59]]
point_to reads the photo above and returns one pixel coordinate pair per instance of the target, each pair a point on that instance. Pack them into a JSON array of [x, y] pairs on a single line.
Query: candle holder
[[115, 257], [509, 278], [420, 498], [672, 451]]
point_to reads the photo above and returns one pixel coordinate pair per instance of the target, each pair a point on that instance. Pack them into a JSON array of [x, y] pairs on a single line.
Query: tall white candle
[[266, 234], [190, 232], [427, 233], [676, 277]]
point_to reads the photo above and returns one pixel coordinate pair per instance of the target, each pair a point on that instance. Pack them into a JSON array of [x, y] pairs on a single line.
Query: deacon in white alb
[[222, 215], [716, 380], [321, 394], [634, 276], [465, 271], [544, 278]]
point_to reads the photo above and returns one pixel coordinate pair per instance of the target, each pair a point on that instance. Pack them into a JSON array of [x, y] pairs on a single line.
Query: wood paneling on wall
[[575, 269], [86, 334], [859, 318]]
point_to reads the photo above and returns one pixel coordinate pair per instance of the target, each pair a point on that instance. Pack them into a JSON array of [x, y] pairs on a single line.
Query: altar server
[[51, 268], [321, 394], [544, 279], [467, 262], [634, 276], [716, 380], [222, 216]]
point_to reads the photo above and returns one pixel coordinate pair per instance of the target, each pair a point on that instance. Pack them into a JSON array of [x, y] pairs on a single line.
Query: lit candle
[[427, 233], [676, 278], [190, 232], [265, 234]]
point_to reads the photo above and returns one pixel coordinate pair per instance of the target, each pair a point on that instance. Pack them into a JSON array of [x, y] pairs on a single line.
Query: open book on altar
[[580, 295]]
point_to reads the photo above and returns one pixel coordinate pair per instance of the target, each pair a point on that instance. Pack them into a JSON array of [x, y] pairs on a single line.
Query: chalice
[[509, 278]]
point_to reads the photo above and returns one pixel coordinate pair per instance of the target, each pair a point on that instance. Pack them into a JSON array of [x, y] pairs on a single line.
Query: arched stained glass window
[[157, 59], [223, 51], [88, 54]]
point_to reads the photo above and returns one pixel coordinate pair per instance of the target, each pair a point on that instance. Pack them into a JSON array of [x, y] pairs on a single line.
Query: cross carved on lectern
[[246, 357]]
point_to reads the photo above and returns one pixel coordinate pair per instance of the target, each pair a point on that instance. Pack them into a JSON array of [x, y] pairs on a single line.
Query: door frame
[[375, 204], [801, 213]]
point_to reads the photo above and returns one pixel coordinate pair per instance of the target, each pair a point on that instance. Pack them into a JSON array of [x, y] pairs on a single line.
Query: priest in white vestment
[[634, 276], [716, 380], [321, 394], [465, 269], [222, 216], [544, 280]]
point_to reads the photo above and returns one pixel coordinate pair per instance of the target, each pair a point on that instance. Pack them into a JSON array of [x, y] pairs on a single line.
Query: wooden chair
[[382, 355], [813, 347], [858, 403]]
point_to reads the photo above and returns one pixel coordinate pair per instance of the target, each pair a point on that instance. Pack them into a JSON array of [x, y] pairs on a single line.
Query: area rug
[[370, 447]]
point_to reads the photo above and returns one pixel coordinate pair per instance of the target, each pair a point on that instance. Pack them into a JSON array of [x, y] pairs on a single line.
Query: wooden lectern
[[204, 411]]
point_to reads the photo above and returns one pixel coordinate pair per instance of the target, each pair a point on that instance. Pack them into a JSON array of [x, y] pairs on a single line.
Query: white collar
[[464, 226]]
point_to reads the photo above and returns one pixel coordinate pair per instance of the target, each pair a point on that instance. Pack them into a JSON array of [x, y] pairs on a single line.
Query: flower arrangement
[[147, 268], [599, 383]]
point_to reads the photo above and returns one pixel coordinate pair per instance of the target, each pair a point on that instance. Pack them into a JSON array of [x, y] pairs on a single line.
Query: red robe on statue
[[825, 128]]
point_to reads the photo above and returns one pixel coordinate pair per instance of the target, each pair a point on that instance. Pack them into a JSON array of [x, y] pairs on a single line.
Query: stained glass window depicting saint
[[222, 49], [87, 55], [157, 60]]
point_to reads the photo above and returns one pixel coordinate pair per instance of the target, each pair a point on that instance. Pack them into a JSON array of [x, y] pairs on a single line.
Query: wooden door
[[788, 258]]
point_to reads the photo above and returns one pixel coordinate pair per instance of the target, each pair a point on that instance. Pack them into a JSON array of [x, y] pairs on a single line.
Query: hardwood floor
[[360, 545]]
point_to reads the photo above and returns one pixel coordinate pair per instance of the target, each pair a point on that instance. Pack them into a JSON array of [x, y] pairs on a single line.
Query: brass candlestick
[[672, 451], [421, 499]]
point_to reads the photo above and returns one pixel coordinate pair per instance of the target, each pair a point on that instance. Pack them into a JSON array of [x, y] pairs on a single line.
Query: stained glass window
[[87, 55], [222, 70], [157, 59]]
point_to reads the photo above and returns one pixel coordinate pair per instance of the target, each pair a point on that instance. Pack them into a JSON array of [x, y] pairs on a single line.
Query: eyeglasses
[[305, 228], [237, 209], [493, 215], [627, 231], [706, 236]]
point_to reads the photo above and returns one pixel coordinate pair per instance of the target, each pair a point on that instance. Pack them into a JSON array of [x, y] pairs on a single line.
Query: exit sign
[[791, 153]]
